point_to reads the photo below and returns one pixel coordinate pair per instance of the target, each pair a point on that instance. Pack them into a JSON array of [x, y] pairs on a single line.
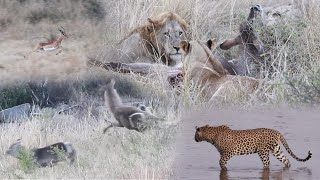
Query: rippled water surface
[[200, 160]]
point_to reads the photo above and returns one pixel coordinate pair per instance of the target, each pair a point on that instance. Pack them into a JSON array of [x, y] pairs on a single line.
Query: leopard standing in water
[[242, 142]]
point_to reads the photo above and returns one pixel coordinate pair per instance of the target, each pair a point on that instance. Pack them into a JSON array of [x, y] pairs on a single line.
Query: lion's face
[[164, 33], [170, 37]]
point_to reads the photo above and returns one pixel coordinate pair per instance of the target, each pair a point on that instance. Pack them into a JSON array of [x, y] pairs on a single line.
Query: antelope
[[46, 156], [253, 53], [250, 46], [130, 117], [51, 45]]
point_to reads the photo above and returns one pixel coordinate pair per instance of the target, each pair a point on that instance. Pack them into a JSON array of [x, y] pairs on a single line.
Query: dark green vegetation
[[50, 93]]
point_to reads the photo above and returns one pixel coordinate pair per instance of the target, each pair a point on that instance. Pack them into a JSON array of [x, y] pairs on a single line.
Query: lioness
[[156, 41], [201, 67]]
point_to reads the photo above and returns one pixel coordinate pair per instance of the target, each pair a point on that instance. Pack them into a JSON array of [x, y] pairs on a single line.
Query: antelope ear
[[150, 21], [150, 26], [185, 46], [113, 82]]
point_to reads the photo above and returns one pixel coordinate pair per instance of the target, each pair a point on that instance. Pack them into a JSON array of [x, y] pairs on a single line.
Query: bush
[[15, 95], [305, 90], [27, 161], [4, 23], [37, 16], [279, 40]]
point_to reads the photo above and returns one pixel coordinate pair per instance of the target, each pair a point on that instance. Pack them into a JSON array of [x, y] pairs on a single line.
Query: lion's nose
[[176, 48]]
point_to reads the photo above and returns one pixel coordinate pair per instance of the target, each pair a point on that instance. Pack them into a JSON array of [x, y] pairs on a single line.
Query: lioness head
[[195, 52], [165, 32]]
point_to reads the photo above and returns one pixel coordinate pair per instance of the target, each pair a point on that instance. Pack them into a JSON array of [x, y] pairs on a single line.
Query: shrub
[[15, 95], [26, 161], [305, 89], [36, 16], [4, 23], [59, 151]]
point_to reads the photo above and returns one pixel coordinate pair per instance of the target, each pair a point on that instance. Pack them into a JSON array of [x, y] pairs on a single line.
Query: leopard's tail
[[285, 144]]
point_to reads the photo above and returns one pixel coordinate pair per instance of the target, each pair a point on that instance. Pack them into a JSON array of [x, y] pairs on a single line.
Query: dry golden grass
[[120, 153]]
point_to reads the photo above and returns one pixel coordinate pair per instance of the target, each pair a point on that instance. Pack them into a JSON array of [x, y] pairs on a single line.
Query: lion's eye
[[180, 33], [167, 34]]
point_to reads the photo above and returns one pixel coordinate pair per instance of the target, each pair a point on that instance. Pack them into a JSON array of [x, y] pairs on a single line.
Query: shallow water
[[200, 160]]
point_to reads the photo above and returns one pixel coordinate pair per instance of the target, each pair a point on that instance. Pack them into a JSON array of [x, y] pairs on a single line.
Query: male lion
[[201, 67], [156, 41]]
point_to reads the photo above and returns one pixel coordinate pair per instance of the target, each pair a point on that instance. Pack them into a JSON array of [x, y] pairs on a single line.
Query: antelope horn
[[62, 27], [61, 31]]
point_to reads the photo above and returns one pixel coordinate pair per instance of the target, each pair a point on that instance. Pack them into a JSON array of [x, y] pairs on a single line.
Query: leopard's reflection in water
[[267, 174]]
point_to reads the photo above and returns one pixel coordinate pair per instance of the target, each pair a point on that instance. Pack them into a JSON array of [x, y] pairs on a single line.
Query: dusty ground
[[71, 60]]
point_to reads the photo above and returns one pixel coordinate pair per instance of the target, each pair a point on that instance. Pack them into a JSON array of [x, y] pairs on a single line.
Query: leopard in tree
[[242, 142]]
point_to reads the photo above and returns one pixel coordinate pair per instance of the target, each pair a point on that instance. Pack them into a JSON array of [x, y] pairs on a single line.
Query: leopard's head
[[208, 133]]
